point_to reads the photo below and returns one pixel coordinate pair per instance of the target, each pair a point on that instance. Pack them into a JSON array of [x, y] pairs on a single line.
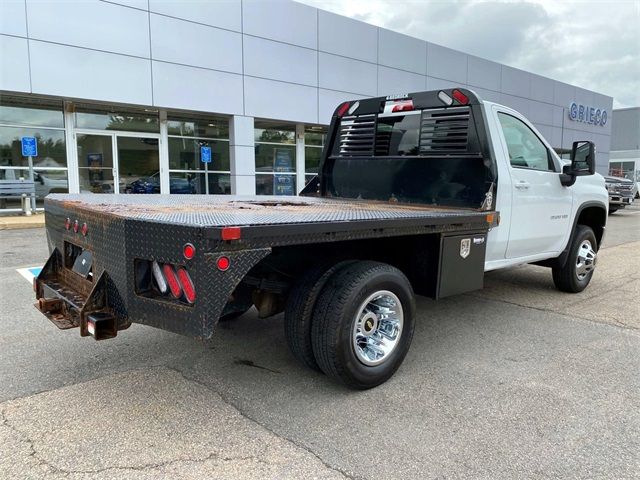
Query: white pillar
[[242, 153], [300, 158], [163, 152], [73, 175]]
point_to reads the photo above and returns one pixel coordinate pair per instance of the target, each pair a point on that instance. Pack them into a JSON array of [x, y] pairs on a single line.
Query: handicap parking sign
[[29, 147], [205, 154]]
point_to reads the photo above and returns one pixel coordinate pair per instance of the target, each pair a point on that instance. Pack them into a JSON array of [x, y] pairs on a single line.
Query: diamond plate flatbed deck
[[246, 211]]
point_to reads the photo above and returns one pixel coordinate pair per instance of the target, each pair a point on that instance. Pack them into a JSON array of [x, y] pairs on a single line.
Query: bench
[[23, 189]]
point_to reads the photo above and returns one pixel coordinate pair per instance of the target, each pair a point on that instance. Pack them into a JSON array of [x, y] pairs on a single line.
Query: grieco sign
[[585, 114]]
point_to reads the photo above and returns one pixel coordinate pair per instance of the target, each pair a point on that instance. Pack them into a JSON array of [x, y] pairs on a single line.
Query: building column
[[163, 152], [300, 158], [242, 153], [73, 174]]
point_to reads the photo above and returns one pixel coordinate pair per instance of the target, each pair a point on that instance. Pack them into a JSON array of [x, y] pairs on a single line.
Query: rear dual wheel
[[360, 324]]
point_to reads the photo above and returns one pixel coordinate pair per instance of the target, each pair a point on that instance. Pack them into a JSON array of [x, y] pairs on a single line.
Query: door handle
[[522, 185]]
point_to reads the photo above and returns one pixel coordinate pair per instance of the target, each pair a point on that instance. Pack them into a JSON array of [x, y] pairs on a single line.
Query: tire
[[299, 310], [340, 310], [612, 210], [577, 271]]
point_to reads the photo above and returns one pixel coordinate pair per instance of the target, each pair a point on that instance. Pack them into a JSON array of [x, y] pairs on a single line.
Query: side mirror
[[583, 162], [583, 158]]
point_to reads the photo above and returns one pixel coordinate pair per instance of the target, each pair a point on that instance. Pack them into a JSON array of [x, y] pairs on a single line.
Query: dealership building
[[226, 96], [624, 159]]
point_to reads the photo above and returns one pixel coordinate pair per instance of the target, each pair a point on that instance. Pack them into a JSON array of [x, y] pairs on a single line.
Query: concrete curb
[[18, 222]]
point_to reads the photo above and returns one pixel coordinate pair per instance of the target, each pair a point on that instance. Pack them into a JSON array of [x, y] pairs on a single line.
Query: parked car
[[151, 184], [621, 192], [46, 184]]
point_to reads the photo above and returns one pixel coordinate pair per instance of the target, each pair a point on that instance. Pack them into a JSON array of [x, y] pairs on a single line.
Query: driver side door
[[540, 205]]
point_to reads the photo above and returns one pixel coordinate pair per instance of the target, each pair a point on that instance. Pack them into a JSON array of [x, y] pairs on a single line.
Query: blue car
[[152, 185]]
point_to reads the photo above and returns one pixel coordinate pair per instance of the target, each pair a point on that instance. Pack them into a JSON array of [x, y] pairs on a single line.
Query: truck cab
[[538, 208]]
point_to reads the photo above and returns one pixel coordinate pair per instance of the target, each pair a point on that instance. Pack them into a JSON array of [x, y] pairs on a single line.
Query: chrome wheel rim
[[377, 327], [586, 259]]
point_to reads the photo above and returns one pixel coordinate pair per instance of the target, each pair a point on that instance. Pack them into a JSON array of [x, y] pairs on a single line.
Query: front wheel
[[578, 270], [363, 324], [612, 210]]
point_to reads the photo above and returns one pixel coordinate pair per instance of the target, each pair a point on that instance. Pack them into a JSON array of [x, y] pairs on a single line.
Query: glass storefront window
[[216, 128], [11, 113], [130, 122], [95, 162], [278, 184], [46, 182], [187, 173], [52, 152], [275, 157], [44, 120], [184, 154], [269, 132], [314, 138]]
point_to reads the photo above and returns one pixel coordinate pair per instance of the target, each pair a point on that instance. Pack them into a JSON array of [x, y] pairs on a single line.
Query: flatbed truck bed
[[265, 214]]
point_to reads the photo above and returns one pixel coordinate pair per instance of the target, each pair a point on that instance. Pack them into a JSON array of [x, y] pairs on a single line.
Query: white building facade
[[133, 95]]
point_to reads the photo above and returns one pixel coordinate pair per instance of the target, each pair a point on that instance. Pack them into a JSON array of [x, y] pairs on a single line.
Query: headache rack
[[442, 131], [427, 148]]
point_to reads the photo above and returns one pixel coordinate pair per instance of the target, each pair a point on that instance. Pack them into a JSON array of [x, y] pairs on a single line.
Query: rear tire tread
[[298, 313]]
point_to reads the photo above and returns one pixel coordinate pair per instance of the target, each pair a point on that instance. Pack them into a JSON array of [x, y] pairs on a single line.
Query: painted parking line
[[29, 273]]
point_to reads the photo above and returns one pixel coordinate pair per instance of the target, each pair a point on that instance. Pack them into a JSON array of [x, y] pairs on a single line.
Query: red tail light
[[85, 229], [172, 280], [76, 226], [223, 263], [187, 285], [67, 223], [460, 97], [342, 109], [188, 251]]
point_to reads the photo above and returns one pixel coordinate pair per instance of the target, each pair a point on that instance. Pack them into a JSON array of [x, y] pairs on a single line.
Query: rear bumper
[[108, 302], [71, 301]]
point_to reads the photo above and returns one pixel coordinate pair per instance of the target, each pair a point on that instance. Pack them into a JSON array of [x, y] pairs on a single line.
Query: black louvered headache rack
[[442, 131], [376, 150], [445, 130]]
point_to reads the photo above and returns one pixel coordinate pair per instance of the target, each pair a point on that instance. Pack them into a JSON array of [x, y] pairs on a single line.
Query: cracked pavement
[[515, 381]]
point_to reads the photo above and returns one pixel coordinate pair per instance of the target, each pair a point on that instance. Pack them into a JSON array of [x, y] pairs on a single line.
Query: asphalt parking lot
[[515, 381]]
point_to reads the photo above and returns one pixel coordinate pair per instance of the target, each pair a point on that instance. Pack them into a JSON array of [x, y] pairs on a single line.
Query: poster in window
[[283, 184], [94, 160]]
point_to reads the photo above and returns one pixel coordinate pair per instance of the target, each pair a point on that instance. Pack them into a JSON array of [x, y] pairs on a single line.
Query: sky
[[592, 44]]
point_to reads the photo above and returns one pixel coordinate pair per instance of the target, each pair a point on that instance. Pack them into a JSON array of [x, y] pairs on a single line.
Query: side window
[[526, 150]]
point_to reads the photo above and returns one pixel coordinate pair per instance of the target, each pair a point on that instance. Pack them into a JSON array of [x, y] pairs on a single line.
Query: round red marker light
[[85, 229], [76, 226], [67, 223], [188, 251], [223, 263]]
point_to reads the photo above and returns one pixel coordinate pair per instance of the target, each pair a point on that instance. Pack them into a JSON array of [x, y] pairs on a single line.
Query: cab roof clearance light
[[445, 98], [395, 106], [342, 109], [460, 97]]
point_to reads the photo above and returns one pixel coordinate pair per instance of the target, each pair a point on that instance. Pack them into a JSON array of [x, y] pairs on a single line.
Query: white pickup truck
[[417, 194]]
